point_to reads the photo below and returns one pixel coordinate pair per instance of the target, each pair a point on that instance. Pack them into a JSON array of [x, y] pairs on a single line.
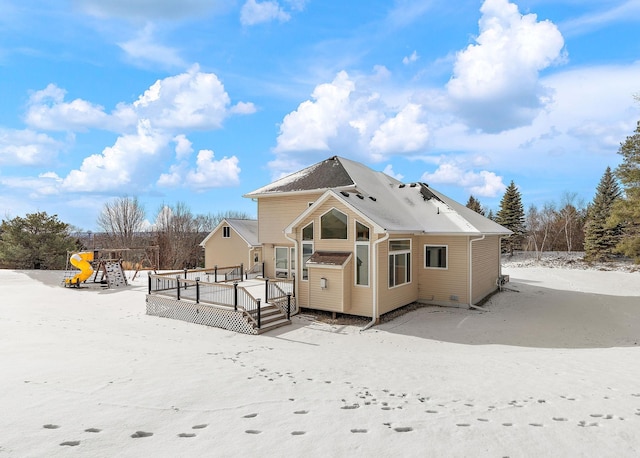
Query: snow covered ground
[[552, 369]]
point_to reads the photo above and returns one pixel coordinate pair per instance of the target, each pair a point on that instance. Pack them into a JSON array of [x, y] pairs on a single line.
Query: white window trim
[[302, 263], [355, 254], [346, 223], [276, 269], [426, 245], [392, 253]]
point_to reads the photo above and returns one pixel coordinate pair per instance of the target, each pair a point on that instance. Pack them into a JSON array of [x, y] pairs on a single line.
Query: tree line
[[42, 241], [608, 226]]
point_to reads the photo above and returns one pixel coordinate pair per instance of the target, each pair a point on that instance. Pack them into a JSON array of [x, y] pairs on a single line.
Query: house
[[360, 242], [231, 243]]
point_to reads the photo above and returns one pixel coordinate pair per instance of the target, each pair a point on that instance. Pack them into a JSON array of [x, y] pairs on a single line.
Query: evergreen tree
[[474, 204], [601, 237], [626, 211], [511, 216], [37, 241]]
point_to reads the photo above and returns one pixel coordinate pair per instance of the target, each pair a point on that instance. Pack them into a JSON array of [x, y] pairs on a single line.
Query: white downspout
[[471, 272], [374, 281], [295, 273]]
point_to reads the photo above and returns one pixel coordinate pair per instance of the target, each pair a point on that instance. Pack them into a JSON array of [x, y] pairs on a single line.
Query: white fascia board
[[377, 229], [203, 243]]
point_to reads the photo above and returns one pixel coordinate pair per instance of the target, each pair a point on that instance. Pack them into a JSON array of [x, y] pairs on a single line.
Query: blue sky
[[202, 101]]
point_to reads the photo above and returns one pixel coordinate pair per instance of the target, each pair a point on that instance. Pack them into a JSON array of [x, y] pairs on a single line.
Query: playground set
[[106, 266]]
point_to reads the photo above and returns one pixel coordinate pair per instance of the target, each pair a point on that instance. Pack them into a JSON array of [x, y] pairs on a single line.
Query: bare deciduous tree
[[121, 219]]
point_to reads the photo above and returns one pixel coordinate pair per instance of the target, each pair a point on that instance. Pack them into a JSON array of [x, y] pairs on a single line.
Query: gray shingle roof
[[333, 173]]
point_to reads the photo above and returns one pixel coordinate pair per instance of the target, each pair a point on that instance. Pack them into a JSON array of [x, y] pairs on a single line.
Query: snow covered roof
[[247, 229], [390, 205], [418, 208]]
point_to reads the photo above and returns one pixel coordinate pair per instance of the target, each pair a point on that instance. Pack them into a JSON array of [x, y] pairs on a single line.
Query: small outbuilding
[[231, 243]]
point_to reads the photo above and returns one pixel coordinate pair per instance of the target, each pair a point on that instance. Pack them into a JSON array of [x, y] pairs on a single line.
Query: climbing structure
[[112, 273]]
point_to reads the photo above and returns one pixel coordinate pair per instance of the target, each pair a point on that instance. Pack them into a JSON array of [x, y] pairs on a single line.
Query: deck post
[[262, 269], [241, 270], [288, 306], [178, 286], [215, 273], [197, 290], [149, 278], [185, 277], [258, 301], [235, 296], [266, 290]]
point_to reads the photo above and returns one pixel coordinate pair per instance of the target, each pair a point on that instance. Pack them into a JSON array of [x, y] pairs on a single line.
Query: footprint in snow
[[139, 434], [202, 426], [70, 443], [186, 435]]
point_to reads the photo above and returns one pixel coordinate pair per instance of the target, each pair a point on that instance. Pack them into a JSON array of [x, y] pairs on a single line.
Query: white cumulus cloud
[[495, 82], [350, 117], [125, 164], [47, 110], [483, 183], [191, 100], [26, 147], [254, 12], [402, 133], [207, 174], [410, 59], [145, 48]]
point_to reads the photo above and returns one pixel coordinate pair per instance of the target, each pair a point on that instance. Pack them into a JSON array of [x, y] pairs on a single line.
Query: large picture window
[[333, 225], [435, 256], [399, 262]]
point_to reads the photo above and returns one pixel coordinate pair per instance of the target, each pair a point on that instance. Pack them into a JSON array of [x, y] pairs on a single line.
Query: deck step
[[273, 325], [271, 317]]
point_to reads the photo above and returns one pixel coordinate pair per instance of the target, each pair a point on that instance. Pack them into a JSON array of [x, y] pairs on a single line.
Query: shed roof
[[329, 258]]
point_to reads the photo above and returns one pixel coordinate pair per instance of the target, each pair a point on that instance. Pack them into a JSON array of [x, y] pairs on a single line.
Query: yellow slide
[[82, 261]]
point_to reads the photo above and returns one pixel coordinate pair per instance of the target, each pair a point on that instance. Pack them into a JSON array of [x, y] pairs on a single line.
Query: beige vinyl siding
[[360, 297], [276, 213], [486, 266], [439, 285], [224, 252], [336, 297], [398, 296]]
